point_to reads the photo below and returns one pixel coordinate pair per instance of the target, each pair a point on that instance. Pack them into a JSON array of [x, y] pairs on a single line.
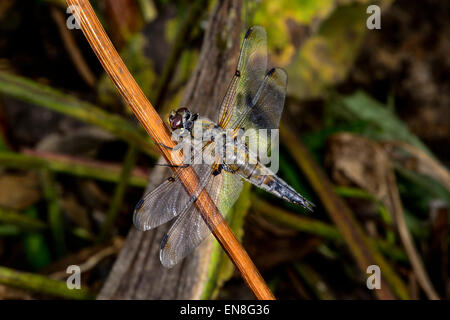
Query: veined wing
[[189, 230], [264, 111], [252, 66], [150, 212], [168, 199]]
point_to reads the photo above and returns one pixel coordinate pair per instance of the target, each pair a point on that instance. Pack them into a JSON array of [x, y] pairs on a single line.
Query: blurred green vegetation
[[318, 43]]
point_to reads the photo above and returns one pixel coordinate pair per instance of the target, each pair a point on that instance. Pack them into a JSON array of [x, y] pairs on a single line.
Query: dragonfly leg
[[172, 165], [164, 146], [218, 170], [177, 147]]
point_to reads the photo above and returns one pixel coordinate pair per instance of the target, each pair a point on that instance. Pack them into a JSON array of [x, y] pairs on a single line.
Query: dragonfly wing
[[189, 230], [229, 192], [252, 66], [151, 212], [186, 234], [167, 200], [265, 110]]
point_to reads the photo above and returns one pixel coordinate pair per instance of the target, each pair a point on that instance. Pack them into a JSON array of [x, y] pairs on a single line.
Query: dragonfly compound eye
[[172, 114], [176, 122], [182, 110]]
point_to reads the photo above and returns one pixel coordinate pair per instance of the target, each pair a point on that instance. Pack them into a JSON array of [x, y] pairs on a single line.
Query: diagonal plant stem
[[41, 284], [316, 227], [405, 236], [362, 250], [130, 157], [32, 92], [72, 49], [150, 120], [314, 281], [15, 222], [163, 83], [21, 220], [407, 154], [7, 230], [59, 163]]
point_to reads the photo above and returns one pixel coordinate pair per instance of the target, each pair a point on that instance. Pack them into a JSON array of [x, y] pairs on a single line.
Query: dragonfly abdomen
[[263, 177]]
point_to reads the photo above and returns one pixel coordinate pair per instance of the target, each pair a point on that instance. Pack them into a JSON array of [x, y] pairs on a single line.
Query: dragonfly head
[[182, 119]]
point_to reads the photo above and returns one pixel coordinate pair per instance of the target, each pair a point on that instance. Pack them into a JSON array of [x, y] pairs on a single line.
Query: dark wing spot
[[237, 73], [218, 170], [248, 100], [139, 205], [164, 241], [171, 179], [239, 99], [248, 33], [271, 71], [259, 117]]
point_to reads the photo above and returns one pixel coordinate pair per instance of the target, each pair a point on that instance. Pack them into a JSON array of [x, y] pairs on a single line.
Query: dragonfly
[[254, 100]]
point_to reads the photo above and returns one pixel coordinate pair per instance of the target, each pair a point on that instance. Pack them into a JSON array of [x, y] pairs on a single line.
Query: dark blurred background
[[365, 135]]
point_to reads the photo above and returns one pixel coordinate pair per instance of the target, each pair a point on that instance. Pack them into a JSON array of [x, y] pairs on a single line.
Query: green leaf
[[303, 12], [381, 122], [325, 58]]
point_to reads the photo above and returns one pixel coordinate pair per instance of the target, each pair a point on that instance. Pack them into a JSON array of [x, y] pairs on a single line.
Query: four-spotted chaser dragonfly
[[254, 99]]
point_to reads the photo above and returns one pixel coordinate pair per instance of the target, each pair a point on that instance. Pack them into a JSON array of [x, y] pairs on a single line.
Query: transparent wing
[[252, 66], [150, 212], [229, 192], [189, 230], [264, 112], [167, 200]]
